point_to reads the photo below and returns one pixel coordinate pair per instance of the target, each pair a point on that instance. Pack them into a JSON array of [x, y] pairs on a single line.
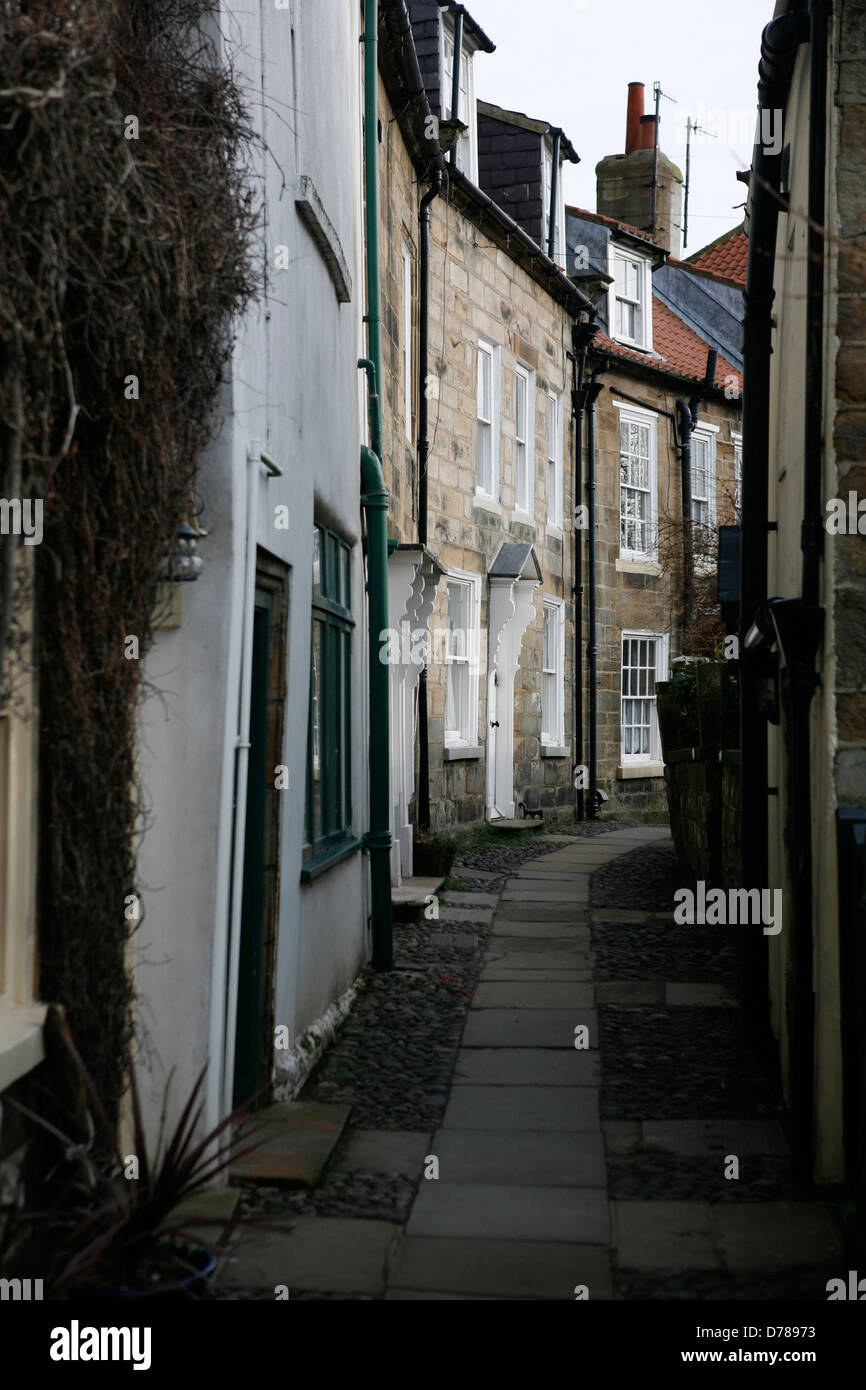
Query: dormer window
[[631, 299], [467, 145], [559, 215]]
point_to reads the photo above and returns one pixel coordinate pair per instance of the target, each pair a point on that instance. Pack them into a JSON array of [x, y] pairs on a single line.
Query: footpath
[[576, 1143]]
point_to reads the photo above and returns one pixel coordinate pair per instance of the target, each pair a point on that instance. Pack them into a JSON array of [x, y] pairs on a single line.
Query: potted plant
[[109, 1233]]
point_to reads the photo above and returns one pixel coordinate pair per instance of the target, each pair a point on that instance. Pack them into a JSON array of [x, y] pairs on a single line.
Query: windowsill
[[21, 1046], [313, 868], [525, 518], [551, 529], [553, 750], [635, 347], [486, 503], [460, 752], [627, 771], [627, 564]]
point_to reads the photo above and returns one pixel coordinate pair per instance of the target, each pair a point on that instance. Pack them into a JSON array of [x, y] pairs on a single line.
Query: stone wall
[[476, 289], [637, 595]]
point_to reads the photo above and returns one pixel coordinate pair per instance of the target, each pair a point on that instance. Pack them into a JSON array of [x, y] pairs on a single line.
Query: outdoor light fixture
[[183, 565]]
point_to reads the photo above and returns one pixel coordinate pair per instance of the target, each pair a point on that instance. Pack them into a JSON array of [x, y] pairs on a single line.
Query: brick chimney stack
[[624, 181], [634, 115]]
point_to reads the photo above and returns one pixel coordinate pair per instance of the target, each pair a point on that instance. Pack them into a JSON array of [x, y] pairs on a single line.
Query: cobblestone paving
[[679, 1064], [676, 1082]]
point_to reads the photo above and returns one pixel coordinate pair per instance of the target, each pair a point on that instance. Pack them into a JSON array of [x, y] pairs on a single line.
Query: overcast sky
[[569, 62]]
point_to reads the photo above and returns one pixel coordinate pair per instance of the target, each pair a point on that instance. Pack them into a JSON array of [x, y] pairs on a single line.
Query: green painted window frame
[[328, 816]]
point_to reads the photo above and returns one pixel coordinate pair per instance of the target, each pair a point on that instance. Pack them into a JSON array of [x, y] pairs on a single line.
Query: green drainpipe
[[374, 498]]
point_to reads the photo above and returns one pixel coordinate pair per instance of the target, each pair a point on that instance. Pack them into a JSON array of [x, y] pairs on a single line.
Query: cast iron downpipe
[[686, 422], [687, 419], [458, 12], [423, 798], [554, 177], [593, 391], [374, 498], [582, 335], [779, 45], [802, 679]]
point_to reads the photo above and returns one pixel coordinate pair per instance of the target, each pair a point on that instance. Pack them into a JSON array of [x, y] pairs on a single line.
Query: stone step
[[294, 1141]]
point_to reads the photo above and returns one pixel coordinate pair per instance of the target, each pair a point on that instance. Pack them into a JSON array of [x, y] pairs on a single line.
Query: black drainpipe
[[423, 798], [686, 423], [779, 45], [593, 391], [554, 178], [582, 335], [802, 679], [458, 12], [687, 413]]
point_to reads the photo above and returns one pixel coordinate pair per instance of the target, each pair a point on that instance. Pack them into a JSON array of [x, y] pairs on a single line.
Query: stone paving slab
[[541, 920], [500, 974], [551, 877], [664, 1235], [296, 1139], [382, 1151], [484, 1212], [528, 1027], [520, 1158], [539, 953], [463, 871], [622, 1136], [455, 898], [524, 1107], [695, 1137], [776, 1235], [541, 994], [482, 915], [501, 1269], [615, 915], [207, 1216], [713, 996], [535, 891], [339, 1254], [531, 1066], [630, 992]]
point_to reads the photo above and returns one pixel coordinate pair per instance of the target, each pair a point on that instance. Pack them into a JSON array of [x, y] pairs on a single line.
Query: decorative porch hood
[[413, 574]]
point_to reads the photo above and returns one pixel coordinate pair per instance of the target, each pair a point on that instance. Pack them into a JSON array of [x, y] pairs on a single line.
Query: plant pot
[[186, 1286], [432, 858]]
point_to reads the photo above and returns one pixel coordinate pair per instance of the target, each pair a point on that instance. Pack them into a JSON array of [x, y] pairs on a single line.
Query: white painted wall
[[294, 387]]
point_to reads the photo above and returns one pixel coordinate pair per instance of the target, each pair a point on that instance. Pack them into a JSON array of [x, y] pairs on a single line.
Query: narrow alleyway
[[582, 1111]]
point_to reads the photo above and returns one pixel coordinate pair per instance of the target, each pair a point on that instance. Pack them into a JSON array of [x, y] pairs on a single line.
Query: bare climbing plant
[[128, 243]]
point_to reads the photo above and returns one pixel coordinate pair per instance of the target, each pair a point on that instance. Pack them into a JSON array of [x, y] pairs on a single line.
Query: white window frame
[[554, 735], [554, 503], [494, 353], [559, 230], [706, 432], [524, 373], [737, 441], [643, 343], [467, 146], [467, 735], [654, 754], [407, 337], [636, 415]]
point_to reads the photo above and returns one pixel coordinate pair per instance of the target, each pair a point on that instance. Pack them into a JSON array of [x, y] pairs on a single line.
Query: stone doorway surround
[[512, 578]]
